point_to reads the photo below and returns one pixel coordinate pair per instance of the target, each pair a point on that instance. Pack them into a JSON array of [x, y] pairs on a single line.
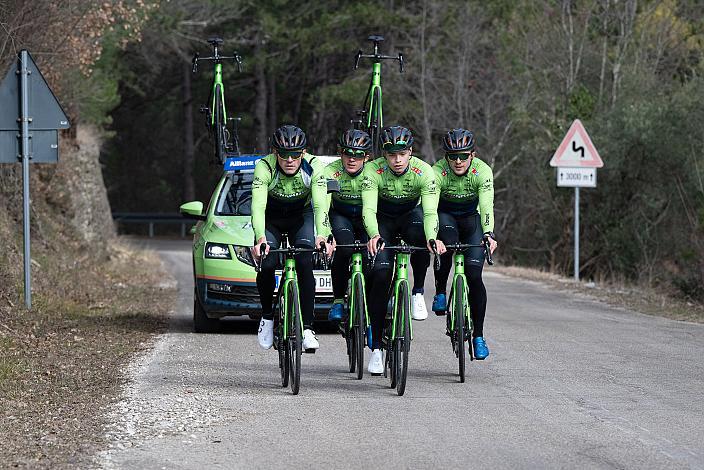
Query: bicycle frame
[[289, 275], [401, 262], [458, 261], [374, 85], [217, 80], [356, 266]]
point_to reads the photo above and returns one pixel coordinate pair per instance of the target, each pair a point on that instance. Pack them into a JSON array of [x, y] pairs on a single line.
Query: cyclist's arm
[[321, 203], [260, 192], [486, 198], [370, 198], [429, 198]]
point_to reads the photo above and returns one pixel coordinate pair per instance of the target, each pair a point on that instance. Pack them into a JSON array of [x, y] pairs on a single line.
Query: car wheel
[[201, 322]]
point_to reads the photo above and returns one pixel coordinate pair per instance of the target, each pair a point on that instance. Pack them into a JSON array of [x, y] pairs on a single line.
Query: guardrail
[[153, 218]]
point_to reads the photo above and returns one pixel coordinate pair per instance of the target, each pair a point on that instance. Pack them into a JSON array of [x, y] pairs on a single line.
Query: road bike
[[459, 320], [356, 325], [371, 118], [225, 141], [398, 332], [288, 321]]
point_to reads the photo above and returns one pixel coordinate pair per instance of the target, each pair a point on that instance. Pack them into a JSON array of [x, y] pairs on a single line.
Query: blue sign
[[242, 162]]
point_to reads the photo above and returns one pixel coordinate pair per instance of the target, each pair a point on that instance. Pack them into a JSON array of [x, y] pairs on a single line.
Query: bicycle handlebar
[[216, 57], [376, 56], [465, 246]]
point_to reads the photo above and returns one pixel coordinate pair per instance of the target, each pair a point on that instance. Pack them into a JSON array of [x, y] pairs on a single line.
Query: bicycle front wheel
[[359, 324], [460, 314], [402, 342], [219, 126], [295, 338]]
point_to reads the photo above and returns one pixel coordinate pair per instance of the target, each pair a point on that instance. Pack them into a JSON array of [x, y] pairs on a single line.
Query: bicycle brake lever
[[195, 62], [238, 59], [400, 62], [356, 60]]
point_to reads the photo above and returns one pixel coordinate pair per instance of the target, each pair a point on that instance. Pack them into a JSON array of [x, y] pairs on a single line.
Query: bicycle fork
[[402, 261], [356, 266]]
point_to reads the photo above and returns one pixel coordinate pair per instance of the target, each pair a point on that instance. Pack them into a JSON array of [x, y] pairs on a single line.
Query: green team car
[[223, 267]]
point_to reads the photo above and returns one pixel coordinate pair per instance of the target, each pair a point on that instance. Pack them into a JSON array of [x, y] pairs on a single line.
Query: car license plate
[[323, 281]]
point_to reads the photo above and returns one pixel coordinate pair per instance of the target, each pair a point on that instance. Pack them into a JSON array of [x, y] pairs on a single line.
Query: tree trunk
[[260, 106], [271, 101], [189, 192]]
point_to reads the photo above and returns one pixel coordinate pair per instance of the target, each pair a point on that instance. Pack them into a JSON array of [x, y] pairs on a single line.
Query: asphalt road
[[570, 383]]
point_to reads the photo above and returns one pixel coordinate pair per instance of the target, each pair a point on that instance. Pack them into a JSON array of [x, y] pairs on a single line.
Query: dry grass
[[645, 300], [61, 362]]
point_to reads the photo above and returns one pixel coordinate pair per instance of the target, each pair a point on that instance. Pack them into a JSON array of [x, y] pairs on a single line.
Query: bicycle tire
[[403, 339], [349, 336], [359, 327], [218, 127], [282, 344], [390, 346], [459, 333], [295, 337]]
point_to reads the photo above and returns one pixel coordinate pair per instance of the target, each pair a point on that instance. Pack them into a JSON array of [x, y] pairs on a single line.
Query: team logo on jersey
[[417, 171], [337, 174], [444, 173], [474, 171], [380, 170]]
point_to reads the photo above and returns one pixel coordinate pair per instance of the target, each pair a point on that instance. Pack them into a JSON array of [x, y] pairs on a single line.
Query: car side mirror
[[333, 186], [192, 210]]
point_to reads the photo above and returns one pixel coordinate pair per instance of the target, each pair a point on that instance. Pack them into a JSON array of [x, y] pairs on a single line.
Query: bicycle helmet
[[288, 137], [355, 139], [396, 138], [459, 140]]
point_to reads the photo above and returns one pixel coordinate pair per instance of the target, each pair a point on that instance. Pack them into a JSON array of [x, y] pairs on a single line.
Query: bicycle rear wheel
[[459, 333], [402, 343], [219, 126], [295, 339], [359, 325]]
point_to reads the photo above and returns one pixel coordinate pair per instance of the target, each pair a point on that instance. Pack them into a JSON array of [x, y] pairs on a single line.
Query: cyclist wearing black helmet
[[287, 197], [346, 209], [399, 197], [466, 213]]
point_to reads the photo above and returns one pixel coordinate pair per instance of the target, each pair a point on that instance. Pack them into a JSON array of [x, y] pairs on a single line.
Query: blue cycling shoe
[[336, 312], [481, 351], [439, 304]]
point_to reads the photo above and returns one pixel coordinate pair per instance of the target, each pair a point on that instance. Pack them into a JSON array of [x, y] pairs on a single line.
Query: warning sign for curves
[[576, 158]]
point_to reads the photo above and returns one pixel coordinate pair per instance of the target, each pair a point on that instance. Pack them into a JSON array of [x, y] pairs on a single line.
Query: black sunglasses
[[354, 153], [458, 156], [285, 154]]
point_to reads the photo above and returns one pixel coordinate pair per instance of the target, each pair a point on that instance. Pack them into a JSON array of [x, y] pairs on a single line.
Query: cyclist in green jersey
[[466, 215], [392, 188], [286, 198], [346, 209]]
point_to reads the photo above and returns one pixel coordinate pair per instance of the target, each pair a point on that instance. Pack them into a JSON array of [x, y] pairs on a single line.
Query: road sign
[[576, 149], [576, 177], [30, 116], [44, 115]]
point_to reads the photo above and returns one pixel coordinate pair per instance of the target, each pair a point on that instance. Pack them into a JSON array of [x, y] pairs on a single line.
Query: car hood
[[232, 230]]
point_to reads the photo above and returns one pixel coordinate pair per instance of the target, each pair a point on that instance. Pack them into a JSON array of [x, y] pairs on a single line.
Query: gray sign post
[[30, 116]]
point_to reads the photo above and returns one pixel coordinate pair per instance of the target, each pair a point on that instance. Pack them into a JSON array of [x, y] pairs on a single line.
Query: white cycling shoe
[[309, 340], [376, 362], [265, 335], [420, 312]]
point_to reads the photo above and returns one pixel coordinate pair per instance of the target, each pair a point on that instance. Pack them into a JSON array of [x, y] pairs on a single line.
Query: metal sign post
[[576, 160], [30, 116]]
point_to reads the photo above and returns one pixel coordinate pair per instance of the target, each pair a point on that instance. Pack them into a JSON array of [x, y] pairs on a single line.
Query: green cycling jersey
[[463, 195], [348, 201], [277, 193], [387, 193]]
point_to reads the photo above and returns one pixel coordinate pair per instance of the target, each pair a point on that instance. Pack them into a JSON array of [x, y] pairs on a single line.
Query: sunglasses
[[285, 154], [354, 153], [458, 156], [397, 146]]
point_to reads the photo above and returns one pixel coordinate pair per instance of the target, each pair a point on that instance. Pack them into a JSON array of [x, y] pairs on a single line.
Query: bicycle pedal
[[309, 351]]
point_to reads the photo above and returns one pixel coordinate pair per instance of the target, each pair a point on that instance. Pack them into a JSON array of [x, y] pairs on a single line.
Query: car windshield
[[236, 195]]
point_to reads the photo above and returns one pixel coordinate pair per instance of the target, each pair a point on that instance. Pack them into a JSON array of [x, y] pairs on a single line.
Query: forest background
[[515, 72]]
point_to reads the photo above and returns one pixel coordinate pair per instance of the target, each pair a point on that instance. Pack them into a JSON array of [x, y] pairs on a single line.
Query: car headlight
[[244, 254], [217, 251]]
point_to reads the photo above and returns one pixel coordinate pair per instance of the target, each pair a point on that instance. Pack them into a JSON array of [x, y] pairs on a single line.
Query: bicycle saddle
[[215, 41], [375, 38]]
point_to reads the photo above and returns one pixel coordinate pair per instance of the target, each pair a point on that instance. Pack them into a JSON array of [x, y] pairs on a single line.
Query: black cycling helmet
[[355, 139], [396, 138], [288, 137], [459, 140]]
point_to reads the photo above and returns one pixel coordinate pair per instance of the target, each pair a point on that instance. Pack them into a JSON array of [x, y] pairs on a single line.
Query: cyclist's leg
[[266, 282], [471, 232], [413, 234], [303, 236], [448, 233], [343, 231], [379, 281]]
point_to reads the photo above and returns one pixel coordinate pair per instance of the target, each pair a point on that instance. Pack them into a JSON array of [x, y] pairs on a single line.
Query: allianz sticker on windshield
[[242, 162]]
